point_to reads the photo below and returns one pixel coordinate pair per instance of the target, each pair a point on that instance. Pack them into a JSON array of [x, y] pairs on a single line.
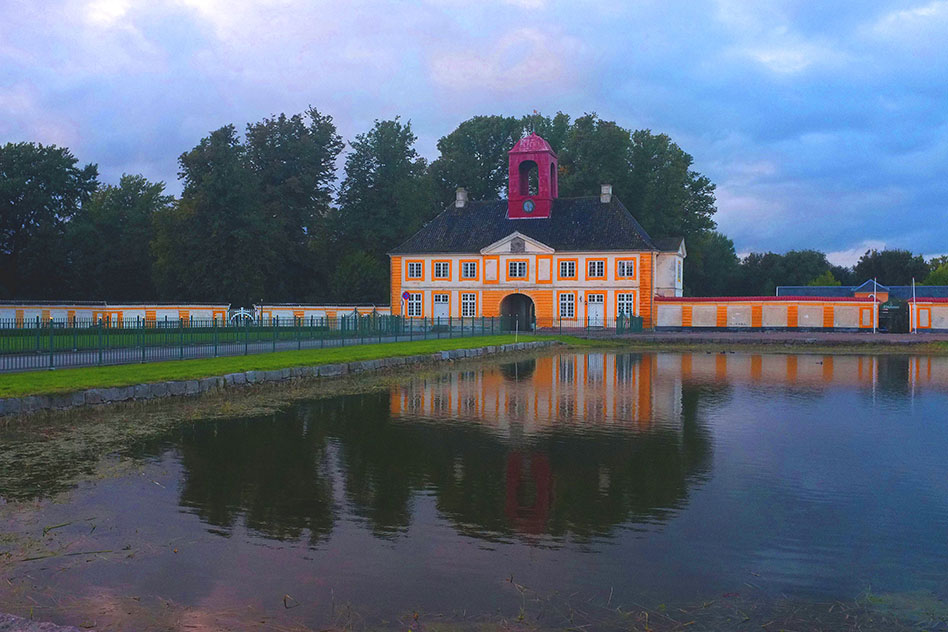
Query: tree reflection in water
[[494, 452]]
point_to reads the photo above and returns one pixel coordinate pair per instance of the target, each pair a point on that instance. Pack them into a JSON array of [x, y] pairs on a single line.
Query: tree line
[[265, 216], [759, 274]]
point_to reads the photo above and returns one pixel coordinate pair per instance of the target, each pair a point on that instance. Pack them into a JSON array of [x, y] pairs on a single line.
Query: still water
[[641, 478]]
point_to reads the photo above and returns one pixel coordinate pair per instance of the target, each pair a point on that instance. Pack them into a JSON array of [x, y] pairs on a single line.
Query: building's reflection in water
[[561, 446]]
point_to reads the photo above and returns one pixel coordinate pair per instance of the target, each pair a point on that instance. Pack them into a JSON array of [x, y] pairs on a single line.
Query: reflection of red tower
[[533, 471], [532, 176]]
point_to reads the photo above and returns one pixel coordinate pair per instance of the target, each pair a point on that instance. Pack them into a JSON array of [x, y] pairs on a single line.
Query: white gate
[[596, 309]]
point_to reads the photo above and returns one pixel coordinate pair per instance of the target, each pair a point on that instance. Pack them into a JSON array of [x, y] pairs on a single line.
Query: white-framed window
[[596, 269], [415, 269], [442, 269], [469, 270], [468, 305], [516, 269], [625, 268], [413, 305], [442, 298], [567, 305], [567, 269], [625, 303]]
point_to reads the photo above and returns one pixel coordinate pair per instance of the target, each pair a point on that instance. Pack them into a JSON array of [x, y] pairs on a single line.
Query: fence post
[[246, 334], [37, 334], [409, 330], [141, 335], [180, 338], [100, 341], [299, 333], [215, 336], [274, 323], [50, 344]]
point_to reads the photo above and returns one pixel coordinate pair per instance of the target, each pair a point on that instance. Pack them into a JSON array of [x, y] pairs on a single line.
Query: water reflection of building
[[563, 446], [610, 390], [885, 372], [635, 391]]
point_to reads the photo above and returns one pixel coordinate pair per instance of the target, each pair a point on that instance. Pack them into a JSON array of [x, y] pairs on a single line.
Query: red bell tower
[[532, 176]]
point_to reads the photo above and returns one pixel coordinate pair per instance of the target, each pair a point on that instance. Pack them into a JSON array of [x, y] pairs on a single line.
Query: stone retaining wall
[[141, 392]]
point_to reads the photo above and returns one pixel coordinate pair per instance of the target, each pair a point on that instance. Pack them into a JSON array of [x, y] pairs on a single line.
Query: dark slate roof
[[903, 292], [815, 290], [574, 224], [668, 244]]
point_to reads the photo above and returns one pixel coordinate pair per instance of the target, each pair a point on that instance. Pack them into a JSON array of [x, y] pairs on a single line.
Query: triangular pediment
[[870, 286], [516, 242]]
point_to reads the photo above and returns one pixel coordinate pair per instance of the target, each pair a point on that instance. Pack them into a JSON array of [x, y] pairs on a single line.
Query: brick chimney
[[605, 193]]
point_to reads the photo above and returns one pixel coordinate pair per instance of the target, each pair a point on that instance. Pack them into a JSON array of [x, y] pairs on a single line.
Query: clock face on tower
[[528, 206]]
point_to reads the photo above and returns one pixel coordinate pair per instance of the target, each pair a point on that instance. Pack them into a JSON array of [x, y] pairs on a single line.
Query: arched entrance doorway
[[518, 312]]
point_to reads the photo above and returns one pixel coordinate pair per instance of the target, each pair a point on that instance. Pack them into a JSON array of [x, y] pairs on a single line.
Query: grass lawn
[[68, 380]]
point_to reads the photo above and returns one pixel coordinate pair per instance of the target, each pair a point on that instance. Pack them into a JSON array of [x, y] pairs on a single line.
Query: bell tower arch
[[532, 177]]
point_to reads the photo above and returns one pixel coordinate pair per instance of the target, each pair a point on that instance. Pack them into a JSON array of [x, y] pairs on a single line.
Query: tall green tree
[[294, 159], [108, 241], [596, 152], [41, 189], [652, 175], [712, 266], [554, 129], [844, 274], [358, 278], [936, 262], [891, 267], [938, 276], [474, 156], [385, 196], [825, 280], [219, 243], [761, 273], [667, 196]]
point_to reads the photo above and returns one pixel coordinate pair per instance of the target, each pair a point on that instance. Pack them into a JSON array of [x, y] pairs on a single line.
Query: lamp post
[[875, 303]]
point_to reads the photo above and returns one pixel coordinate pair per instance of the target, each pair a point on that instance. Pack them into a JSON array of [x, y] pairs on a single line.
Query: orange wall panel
[[792, 316], [828, 316], [396, 285], [645, 306]]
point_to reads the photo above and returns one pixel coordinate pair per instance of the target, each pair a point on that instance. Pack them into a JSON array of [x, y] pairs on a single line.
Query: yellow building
[[535, 257]]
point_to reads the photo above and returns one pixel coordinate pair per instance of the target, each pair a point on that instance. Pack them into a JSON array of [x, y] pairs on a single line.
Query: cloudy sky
[[824, 124]]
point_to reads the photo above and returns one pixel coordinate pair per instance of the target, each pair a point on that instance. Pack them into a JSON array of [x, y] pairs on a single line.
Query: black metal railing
[[37, 344]]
